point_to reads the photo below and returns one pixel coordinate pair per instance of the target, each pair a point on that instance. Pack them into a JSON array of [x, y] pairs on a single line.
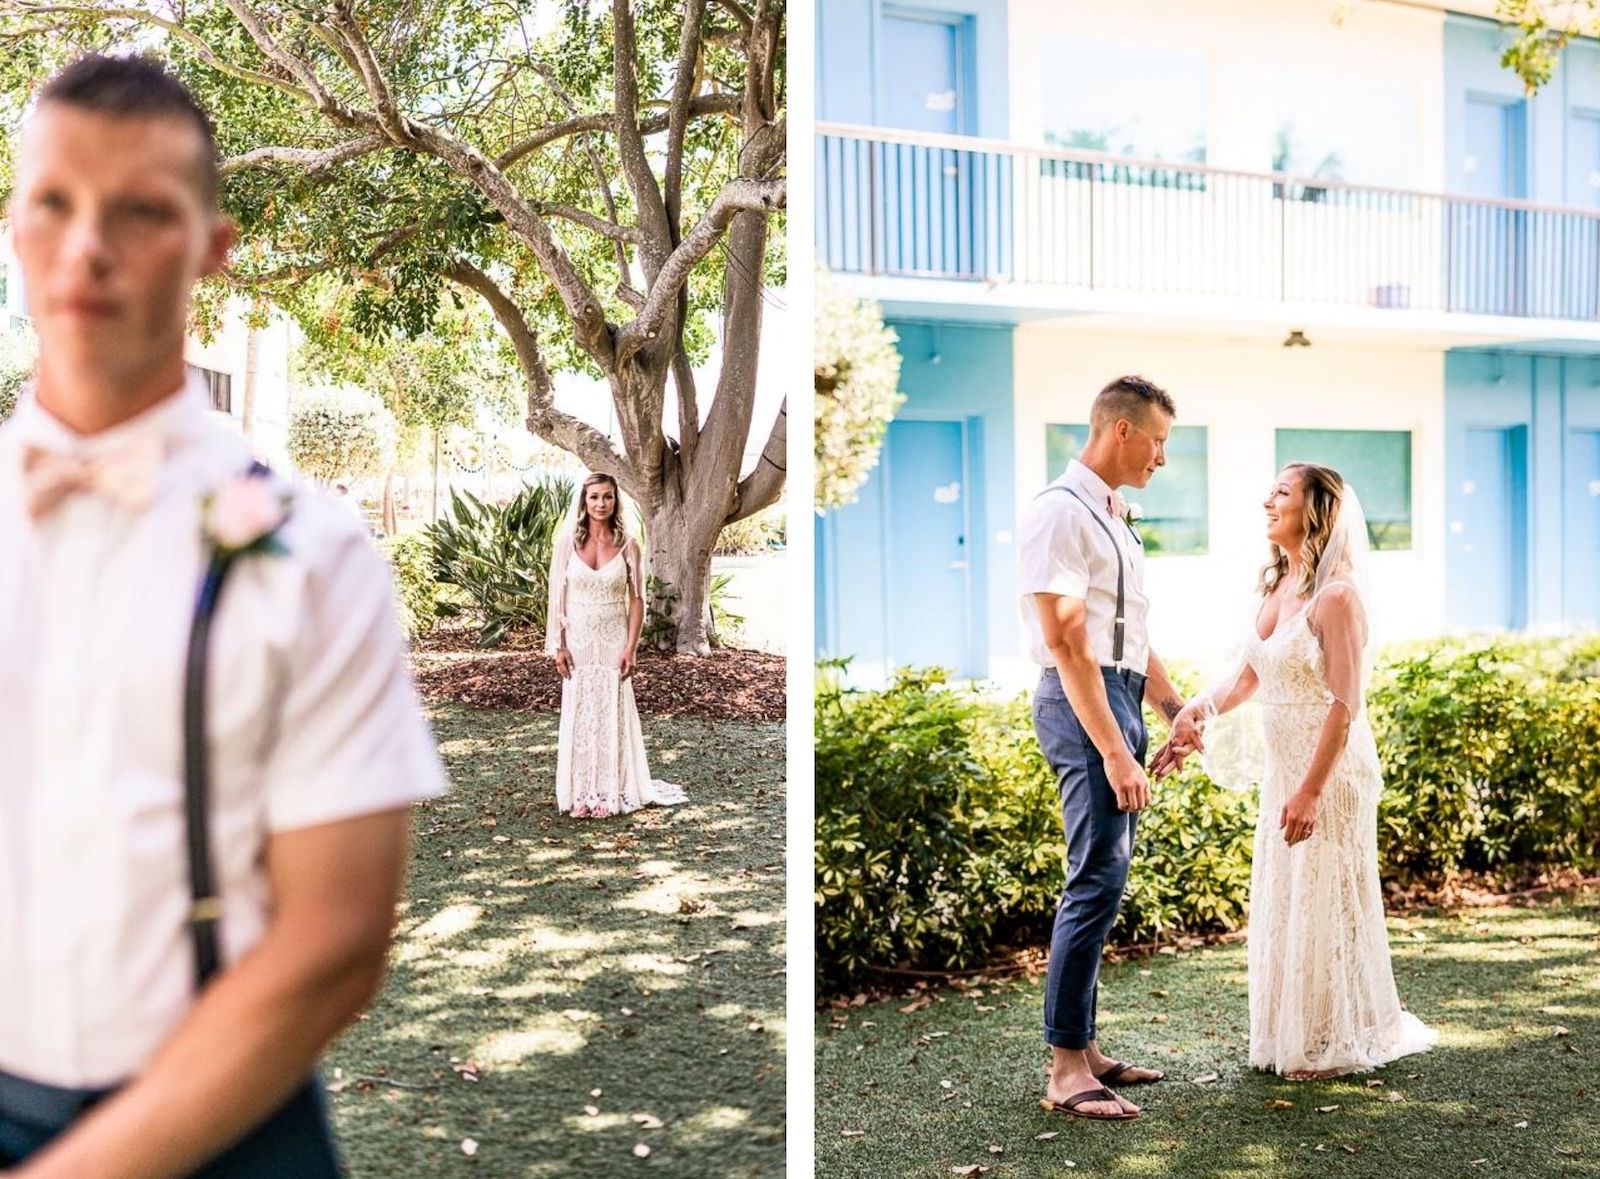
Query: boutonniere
[[1131, 515], [244, 515]]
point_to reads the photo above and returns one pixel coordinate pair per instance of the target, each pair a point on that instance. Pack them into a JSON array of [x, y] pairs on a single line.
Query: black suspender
[[1118, 625], [205, 909]]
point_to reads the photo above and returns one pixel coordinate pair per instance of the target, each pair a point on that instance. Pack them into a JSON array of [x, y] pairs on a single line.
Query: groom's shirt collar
[[1083, 477]]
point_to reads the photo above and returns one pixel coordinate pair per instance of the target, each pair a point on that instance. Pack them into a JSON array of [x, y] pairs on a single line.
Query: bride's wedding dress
[[1322, 992], [601, 768]]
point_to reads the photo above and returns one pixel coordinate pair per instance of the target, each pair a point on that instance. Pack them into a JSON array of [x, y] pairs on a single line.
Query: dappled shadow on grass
[[937, 1088], [541, 958]]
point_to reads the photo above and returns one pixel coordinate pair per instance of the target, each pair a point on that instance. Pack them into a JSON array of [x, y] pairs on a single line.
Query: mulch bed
[[725, 685]]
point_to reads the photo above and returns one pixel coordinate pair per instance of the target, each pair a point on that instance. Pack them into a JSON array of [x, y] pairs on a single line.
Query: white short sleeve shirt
[[313, 718], [1062, 550]]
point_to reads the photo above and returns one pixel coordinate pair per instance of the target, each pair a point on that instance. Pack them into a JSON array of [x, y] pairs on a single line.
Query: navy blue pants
[[1099, 845], [294, 1142]]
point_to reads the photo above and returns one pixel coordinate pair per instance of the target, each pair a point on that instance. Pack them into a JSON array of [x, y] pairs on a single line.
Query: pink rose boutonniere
[[244, 515]]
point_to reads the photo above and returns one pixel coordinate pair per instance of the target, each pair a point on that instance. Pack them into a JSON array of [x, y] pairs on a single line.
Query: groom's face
[[112, 228], [1144, 447]]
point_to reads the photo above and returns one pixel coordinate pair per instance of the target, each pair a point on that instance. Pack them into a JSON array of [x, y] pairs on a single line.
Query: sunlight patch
[[553, 1039], [448, 923]]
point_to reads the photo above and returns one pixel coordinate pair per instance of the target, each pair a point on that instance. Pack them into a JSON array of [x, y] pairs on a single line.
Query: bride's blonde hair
[[1324, 489]]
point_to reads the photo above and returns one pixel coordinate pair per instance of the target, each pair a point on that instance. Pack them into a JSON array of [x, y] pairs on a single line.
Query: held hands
[[1299, 817], [1184, 740]]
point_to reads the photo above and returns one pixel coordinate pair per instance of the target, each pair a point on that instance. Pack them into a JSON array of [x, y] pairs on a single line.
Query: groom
[[171, 975], [1085, 610]]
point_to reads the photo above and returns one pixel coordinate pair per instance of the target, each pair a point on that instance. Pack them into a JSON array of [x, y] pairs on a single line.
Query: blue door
[[1487, 255], [1489, 530], [928, 612], [1581, 604], [932, 197], [1579, 244]]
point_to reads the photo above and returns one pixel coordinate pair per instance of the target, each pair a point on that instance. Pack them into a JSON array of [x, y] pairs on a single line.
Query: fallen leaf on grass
[[1158, 1019], [917, 1004], [1279, 1103], [469, 1147], [647, 1121], [993, 1149], [1326, 1108], [1046, 1136], [1522, 1125], [1561, 1031], [972, 1169], [1393, 1095], [641, 1151], [852, 1133], [1206, 1079], [592, 1111]]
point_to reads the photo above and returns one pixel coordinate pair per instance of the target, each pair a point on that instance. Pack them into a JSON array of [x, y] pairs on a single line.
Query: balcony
[[1078, 230]]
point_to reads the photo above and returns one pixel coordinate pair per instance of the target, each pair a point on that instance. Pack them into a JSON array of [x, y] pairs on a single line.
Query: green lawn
[[1505, 1092], [564, 991]]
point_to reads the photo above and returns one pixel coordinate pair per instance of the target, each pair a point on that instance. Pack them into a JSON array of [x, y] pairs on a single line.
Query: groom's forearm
[[1159, 692]]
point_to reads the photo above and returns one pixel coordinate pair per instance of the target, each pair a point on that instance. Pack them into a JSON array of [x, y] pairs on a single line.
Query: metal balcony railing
[[951, 207]]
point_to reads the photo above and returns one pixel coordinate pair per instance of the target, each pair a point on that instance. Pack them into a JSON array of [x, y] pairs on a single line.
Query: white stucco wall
[[1243, 390]]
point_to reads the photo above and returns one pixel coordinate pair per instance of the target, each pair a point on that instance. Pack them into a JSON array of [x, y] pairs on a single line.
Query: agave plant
[[499, 554]]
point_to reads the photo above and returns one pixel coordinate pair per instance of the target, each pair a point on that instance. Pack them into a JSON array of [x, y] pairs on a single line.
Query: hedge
[[938, 837]]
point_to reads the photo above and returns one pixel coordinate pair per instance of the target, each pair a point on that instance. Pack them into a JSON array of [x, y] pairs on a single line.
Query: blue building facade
[[1011, 243]]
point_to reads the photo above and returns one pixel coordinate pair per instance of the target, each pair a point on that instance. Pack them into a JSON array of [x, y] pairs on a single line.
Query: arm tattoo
[[1170, 707]]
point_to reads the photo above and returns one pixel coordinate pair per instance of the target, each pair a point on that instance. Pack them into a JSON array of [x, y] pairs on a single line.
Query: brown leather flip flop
[[1069, 1107], [1114, 1074]]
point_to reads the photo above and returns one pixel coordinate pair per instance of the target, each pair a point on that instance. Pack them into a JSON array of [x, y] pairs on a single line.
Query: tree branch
[[544, 418], [313, 89], [313, 160], [762, 486], [688, 405], [655, 241], [737, 11], [394, 123], [187, 36], [684, 82], [737, 196], [705, 104], [610, 229]]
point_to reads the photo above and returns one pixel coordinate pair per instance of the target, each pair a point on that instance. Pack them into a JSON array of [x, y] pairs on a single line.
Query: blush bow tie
[[125, 476]]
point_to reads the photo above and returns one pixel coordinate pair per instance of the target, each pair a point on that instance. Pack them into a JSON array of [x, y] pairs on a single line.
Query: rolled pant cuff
[[1073, 1040]]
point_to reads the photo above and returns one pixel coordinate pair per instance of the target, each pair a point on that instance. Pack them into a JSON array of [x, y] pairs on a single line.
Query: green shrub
[[1489, 754], [411, 558], [938, 835], [499, 554]]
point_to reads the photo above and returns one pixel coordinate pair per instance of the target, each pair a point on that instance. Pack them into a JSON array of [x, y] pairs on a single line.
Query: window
[[1129, 100], [1377, 463], [1174, 506], [221, 387]]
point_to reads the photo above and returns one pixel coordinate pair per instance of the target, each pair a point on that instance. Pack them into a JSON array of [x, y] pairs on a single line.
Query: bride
[[596, 611], [1322, 993]]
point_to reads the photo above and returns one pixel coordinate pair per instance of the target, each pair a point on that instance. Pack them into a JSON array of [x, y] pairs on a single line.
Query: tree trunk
[[681, 539], [391, 518]]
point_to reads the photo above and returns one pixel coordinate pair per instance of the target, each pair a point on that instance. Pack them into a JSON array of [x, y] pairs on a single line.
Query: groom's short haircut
[[137, 87], [1131, 398]]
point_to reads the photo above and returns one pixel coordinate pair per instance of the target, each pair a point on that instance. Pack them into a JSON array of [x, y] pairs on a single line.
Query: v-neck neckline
[[602, 565]]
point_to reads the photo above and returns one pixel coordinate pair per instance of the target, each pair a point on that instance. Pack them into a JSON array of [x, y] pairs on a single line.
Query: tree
[[437, 380], [606, 186], [341, 434], [857, 377], [1543, 31]]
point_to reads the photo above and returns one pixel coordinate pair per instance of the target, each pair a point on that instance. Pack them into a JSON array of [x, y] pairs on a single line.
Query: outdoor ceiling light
[[1296, 339]]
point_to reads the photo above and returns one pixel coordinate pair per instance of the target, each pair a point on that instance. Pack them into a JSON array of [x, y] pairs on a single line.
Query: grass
[[1502, 1094], [564, 991]]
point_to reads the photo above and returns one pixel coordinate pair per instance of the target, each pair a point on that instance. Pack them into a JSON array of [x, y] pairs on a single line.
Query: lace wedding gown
[[601, 768], [1322, 993]]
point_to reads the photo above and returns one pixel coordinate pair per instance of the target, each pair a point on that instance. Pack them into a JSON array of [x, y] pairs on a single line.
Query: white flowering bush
[[857, 385], [17, 357], [341, 433]]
